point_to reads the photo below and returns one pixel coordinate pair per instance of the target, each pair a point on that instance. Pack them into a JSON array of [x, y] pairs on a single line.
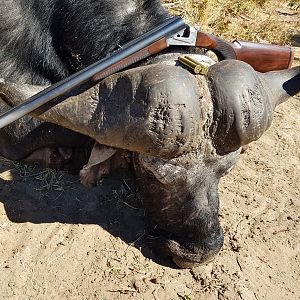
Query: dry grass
[[254, 20]]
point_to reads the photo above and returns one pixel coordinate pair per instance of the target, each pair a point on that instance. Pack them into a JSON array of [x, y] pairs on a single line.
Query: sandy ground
[[59, 240]]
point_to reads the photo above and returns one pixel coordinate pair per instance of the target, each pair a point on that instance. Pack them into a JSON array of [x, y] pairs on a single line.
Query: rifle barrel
[[171, 26]]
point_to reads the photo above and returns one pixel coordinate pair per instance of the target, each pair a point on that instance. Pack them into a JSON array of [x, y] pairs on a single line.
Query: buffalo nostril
[[185, 263]]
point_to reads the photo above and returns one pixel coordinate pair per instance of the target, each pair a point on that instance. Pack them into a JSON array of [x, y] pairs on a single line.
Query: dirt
[[60, 240]]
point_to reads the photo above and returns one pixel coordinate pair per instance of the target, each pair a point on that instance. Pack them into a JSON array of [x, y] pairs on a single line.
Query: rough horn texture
[[152, 110], [244, 101], [158, 105]]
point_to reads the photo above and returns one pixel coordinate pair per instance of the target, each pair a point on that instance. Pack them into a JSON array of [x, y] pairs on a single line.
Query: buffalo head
[[185, 132]]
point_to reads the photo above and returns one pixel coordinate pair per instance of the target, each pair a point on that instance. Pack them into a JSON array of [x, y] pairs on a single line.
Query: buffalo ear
[[164, 171], [97, 166], [99, 154]]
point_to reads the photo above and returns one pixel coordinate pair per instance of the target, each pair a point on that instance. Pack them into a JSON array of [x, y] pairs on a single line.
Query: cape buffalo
[[183, 131]]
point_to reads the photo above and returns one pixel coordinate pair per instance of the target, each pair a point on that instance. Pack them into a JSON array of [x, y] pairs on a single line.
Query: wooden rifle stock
[[262, 57]]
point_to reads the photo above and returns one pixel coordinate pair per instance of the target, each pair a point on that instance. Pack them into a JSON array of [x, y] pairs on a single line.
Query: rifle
[[173, 32]]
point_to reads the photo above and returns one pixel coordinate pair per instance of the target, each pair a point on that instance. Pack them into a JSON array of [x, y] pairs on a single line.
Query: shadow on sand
[[30, 194]]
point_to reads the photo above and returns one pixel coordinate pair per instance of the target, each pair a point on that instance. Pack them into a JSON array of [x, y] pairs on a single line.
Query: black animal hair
[[43, 41]]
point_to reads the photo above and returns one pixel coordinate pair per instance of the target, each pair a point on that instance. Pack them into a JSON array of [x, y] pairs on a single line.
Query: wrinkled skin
[[183, 142]]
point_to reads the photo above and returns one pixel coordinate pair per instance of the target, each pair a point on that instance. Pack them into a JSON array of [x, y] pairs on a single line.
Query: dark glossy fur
[[43, 41]]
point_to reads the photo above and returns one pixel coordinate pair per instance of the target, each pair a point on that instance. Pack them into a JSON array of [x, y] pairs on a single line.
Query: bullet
[[196, 66]]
